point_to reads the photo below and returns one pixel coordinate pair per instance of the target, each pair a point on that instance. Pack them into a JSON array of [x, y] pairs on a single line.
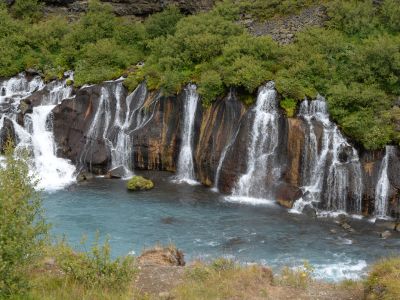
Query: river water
[[205, 226]]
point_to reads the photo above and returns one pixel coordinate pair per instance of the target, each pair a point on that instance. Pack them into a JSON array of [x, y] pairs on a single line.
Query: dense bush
[[95, 268], [22, 227], [354, 61]]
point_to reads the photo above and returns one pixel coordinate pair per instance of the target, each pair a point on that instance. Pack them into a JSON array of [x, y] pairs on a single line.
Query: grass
[[223, 279], [383, 281]]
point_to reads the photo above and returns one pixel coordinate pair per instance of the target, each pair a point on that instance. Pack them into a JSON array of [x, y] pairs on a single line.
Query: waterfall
[[333, 165], [121, 149], [37, 136], [185, 172], [251, 186], [54, 172], [382, 188], [221, 161]]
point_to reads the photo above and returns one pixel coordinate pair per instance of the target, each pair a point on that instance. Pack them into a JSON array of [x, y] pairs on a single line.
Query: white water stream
[[185, 169], [250, 187]]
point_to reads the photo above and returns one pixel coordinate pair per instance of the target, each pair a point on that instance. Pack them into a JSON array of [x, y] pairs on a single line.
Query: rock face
[[283, 30], [88, 128]]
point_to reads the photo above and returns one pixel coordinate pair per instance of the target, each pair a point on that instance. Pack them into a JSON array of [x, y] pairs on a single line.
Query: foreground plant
[[22, 226]]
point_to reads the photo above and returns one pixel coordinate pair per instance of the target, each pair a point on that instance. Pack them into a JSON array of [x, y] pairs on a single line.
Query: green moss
[[289, 105], [139, 183]]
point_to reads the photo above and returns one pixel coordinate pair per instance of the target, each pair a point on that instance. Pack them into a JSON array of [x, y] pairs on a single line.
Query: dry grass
[[383, 281], [224, 280]]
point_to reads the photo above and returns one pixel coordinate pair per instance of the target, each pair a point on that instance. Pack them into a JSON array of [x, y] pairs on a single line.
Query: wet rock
[[117, 172], [347, 226], [84, 176], [168, 220], [386, 234], [139, 183], [218, 125], [287, 194], [345, 153], [310, 211], [162, 256], [7, 132]]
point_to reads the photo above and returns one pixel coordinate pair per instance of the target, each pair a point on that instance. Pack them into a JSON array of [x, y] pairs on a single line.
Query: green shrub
[[163, 23], [22, 227], [391, 14], [383, 280], [27, 9], [289, 105], [210, 86], [95, 268], [353, 17]]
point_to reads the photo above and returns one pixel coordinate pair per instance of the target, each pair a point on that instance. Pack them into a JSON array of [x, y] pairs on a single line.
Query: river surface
[[205, 226]]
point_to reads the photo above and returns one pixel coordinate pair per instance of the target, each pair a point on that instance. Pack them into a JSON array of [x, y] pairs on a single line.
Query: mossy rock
[[139, 183]]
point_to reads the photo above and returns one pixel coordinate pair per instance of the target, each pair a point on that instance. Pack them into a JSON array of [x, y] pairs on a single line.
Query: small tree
[[22, 226]]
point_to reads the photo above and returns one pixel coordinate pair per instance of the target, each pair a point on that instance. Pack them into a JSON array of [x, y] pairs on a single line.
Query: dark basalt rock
[[117, 172], [7, 132], [219, 125]]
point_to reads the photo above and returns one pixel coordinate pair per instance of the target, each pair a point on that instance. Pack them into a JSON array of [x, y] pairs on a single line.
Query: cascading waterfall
[[185, 172], [383, 187], [251, 186], [53, 172], [115, 119], [344, 176], [121, 150]]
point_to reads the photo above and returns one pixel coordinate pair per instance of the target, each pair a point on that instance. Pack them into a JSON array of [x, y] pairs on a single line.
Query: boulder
[[117, 172], [84, 176], [7, 132], [139, 183], [310, 211], [384, 235], [287, 194], [162, 256]]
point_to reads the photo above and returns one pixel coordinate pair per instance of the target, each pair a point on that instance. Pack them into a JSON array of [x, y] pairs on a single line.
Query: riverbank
[[206, 226], [160, 273]]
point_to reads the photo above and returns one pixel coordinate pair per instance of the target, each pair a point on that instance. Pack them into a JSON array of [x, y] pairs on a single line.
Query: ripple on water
[[198, 222]]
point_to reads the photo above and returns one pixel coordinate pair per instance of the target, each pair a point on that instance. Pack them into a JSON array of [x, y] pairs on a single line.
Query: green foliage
[[210, 86], [27, 9], [164, 23], [354, 60], [391, 14], [22, 227], [95, 268], [383, 280], [353, 17], [289, 105]]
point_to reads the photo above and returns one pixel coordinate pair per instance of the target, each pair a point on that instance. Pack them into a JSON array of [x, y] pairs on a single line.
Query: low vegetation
[[33, 268], [383, 281], [223, 279]]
